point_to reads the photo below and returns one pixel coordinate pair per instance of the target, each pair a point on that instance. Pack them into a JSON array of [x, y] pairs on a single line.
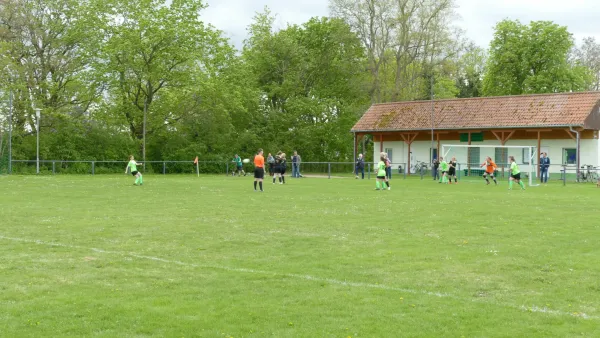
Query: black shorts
[[282, 170], [240, 168], [444, 172], [452, 172], [259, 173], [381, 177], [516, 177], [134, 173]]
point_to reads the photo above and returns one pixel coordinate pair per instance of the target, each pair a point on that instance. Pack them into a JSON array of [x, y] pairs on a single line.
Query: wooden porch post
[[503, 136], [355, 148], [409, 138], [539, 147], [469, 156], [539, 153], [438, 144]]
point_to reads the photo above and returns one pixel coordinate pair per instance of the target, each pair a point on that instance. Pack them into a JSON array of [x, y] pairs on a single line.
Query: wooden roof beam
[[409, 138], [571, 134], [509, 135], [414, 137], [503, 135]]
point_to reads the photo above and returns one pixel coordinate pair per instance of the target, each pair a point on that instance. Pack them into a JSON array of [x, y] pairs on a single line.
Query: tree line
[[103, 72]]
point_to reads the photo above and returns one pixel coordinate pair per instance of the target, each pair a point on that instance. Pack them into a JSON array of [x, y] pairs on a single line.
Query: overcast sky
[[477, 16]]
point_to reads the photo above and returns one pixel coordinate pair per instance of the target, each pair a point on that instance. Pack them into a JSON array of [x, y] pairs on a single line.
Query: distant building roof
[[524, 111]]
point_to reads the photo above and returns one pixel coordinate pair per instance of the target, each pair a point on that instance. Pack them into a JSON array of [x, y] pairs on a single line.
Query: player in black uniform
[[279, 168], [452, 170], [276, 167], [282, 167]]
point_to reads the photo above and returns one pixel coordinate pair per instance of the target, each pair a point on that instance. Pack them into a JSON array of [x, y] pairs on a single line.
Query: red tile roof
[[524, 111]]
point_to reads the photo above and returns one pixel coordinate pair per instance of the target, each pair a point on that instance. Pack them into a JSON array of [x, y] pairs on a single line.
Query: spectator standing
[[296, 160], [271, 162], [434, 172], [388, 168], [544, 167], [360, 166]]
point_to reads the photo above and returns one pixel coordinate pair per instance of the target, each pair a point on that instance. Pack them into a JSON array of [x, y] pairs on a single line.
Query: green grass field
[[208, 257]]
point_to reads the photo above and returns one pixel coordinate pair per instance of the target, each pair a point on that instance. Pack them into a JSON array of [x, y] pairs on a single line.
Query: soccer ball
[[246, 160]]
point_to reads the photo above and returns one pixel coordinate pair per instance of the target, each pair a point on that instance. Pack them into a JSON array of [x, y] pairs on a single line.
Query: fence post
[[164, 168], [227, 170], [329, 170], [369, 165], [458, 174], [563, 173], [404, 171], [53, 167], [421, 172], [93, 168]]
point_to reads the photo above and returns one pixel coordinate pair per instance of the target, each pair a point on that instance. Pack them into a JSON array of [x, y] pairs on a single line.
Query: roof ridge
[[489, 97]]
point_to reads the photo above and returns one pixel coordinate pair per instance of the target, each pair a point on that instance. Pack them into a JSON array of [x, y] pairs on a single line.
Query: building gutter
[[464, 129]]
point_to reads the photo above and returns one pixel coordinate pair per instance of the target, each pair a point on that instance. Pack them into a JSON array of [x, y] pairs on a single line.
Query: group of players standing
[[277, 168], [449, 170]]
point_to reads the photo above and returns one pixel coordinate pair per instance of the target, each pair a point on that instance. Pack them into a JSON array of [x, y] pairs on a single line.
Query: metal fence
[[93, 167], [556, 172], [25, 167]]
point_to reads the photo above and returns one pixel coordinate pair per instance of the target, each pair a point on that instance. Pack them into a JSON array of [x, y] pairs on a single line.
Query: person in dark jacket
[[271, 163], [544, 167], [435, 171], [360, 166], [280, 168], [296, 159], [388, 168]]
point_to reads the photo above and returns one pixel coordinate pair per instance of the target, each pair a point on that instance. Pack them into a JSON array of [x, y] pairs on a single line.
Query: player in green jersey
[[380, 182], [515, 174], [238, 165], [132, 166], [444, 167]]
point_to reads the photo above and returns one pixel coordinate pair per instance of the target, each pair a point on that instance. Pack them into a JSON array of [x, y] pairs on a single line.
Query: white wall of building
[[590, 151]]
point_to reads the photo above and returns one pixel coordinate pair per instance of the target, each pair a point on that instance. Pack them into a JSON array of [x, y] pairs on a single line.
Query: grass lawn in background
[[208, 257]]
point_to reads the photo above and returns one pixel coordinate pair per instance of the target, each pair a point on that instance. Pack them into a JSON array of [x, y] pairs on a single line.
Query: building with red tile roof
[[550, 122]]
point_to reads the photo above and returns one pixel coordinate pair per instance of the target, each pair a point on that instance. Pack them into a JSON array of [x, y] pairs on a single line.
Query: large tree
[[44, 51], [588, 55], [156, 55], [407, 42], [471, 68], [532, 59], [312, 81]]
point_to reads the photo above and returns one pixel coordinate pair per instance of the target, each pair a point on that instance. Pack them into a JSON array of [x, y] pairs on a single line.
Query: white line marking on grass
[[533, 308]]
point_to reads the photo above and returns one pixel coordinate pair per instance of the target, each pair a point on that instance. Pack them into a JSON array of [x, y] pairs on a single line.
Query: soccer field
[[209, 257]]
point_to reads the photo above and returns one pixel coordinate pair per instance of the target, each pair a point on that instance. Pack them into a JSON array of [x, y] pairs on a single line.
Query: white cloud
[[478, 17], [234, 16]]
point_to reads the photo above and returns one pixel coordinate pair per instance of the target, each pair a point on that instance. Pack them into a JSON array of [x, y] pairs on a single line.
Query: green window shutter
[[475, 137]]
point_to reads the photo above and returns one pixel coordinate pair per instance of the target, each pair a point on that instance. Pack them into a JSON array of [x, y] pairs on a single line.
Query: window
[[526, 155], [433, 152], [474, 155], [389, 152], [501, 156], [569, 156]]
